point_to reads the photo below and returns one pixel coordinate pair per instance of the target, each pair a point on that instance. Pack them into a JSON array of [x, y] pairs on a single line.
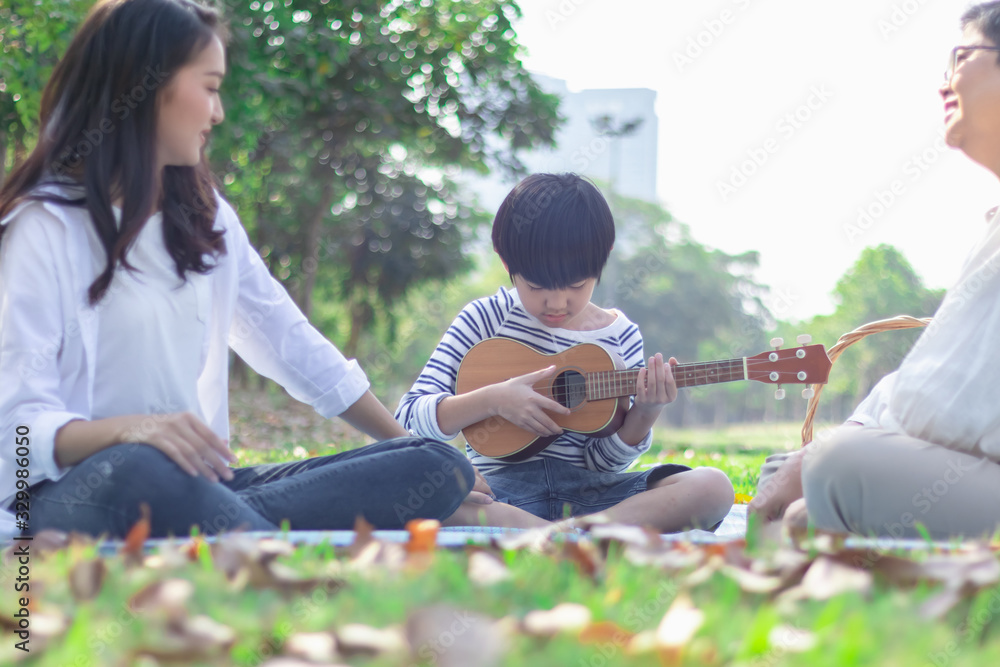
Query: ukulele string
[[733, 367]]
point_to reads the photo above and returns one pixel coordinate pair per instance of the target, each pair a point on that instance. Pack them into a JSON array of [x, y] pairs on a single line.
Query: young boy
[[554, 234]]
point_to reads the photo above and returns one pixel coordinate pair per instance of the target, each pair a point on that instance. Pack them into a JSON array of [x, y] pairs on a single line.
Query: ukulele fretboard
[[614, 384]]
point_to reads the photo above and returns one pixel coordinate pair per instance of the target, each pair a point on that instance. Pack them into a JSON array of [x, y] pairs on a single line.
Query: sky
[[804, 130]]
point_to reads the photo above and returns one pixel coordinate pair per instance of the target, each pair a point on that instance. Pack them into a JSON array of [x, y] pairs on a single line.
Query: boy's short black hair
[[554, 230]]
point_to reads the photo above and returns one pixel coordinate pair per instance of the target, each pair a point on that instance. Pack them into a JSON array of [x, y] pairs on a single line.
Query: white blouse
[[52, 341], [947, 389], [152, 316]]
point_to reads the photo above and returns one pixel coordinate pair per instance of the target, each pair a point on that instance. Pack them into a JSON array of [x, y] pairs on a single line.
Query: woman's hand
[[189, 443], [782, 489], [517, 402]]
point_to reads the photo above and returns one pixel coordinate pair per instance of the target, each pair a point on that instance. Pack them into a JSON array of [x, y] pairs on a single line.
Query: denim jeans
[[388, 483], [552, 489]]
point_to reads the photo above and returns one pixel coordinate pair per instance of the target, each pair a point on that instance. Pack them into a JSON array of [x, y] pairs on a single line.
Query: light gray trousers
[[872, 482]]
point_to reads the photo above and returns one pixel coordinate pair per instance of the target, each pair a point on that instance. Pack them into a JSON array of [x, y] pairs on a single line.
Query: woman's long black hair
[[98, 133]]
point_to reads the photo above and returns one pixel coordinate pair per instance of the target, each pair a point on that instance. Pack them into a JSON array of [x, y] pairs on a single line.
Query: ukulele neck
[[616, 384]]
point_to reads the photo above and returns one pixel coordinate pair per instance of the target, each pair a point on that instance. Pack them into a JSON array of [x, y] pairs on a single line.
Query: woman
[[125, 277], [924, 447]]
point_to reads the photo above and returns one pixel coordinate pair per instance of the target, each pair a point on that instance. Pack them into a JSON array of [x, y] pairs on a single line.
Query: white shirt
[[49, 336], [947, 389], [149, 311]]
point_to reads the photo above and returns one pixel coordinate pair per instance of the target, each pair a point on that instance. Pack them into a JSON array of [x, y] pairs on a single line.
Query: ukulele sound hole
[[569, 389]]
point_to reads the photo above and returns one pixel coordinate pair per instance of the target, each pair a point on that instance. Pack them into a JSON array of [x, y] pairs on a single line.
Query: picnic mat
[[733, 527]]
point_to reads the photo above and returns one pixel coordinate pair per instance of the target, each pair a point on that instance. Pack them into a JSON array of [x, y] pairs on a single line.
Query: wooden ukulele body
[[596, 387], [498, 359]]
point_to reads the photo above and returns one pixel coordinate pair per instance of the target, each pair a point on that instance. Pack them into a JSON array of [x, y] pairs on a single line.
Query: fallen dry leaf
[[705, 572], [167, 596], [670, 556], [362, 536], [248, 561], [790, 639], [826, 578], [485, 569], [195, 548], [679, 624], [731, 551], [963, 575], [168, 557], [642, 642], [584, 554], [451, 637], [315, 647], [86, 578], [137, 536], [46, 628], [189, 639], [295, 662], [565, 617], [533, 539], [604, 632], [44, 542], [423, 535], [626, 534], [357, 639], [753, 582]]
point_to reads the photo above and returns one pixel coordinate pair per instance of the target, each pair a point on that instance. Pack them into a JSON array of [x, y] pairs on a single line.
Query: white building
[[626, 163]]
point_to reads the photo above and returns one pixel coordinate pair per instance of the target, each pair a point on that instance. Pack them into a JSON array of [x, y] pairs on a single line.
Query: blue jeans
[[388, 483], [552, 489]]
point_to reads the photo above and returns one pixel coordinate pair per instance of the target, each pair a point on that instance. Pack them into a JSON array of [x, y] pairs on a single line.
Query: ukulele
[[594, 384]]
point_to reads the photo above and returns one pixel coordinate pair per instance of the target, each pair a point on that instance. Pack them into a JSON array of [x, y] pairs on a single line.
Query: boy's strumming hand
[[518, 402]]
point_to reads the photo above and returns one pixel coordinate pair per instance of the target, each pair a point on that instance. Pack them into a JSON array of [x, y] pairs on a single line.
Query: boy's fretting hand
[[517, 402], [655, 385]]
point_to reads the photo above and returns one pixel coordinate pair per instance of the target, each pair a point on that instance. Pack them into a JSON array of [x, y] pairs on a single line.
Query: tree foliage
[[348, 122], [881, 284], [33, 35]]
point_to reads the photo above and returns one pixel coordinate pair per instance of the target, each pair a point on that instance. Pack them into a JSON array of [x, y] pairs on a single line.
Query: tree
[[349, 119], [33, 35], [881, 284]]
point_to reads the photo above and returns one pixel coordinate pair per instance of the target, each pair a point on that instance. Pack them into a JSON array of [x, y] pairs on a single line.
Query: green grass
[[739, 628]]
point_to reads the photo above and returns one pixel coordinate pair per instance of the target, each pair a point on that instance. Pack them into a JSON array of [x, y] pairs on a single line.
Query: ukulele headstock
[[807, 364]]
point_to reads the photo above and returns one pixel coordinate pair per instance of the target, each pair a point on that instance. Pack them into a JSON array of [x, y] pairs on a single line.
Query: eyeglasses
[[954, 61]]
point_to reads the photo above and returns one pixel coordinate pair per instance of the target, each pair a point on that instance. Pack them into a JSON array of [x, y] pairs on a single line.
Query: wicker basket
[[845, 341]]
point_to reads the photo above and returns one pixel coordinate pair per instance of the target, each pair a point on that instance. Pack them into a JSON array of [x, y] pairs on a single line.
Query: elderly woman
[[923, 447]]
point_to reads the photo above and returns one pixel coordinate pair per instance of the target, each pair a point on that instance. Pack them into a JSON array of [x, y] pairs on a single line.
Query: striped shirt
[[502, 315]]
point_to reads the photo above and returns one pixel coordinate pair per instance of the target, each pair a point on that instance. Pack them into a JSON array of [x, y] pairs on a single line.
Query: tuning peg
[[803, 339], [808, 392], [779, 393], [777, 342]]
